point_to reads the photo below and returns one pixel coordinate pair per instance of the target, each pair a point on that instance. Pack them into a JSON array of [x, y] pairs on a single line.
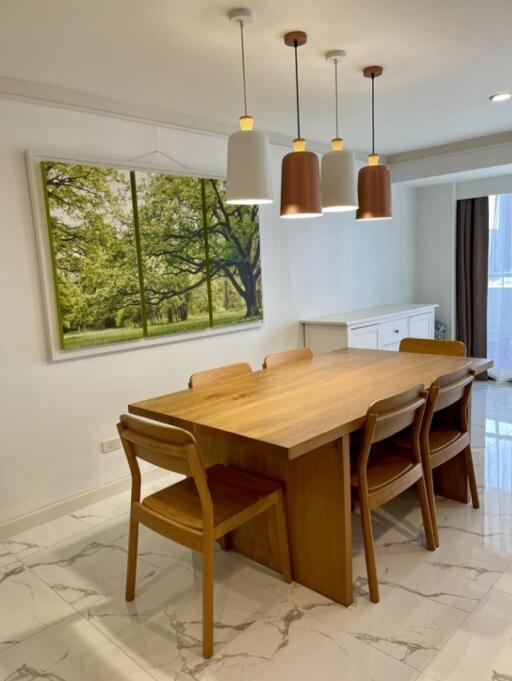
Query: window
[[499, 316], [137, 255]]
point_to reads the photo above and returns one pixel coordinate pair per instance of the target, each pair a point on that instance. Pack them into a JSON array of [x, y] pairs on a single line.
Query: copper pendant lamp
[[374, 181], [300, 176]]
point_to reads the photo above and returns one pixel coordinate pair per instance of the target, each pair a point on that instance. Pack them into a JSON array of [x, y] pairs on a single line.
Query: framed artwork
[[139, 257]]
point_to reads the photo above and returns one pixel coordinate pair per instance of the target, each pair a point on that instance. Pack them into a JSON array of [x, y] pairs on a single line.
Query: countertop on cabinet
[[368, 315]]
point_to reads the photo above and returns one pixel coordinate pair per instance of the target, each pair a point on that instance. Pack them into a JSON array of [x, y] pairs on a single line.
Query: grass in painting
[[86, 339]]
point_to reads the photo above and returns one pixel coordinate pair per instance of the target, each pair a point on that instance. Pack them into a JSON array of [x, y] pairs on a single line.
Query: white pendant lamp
[[338, 170], [249, 180]]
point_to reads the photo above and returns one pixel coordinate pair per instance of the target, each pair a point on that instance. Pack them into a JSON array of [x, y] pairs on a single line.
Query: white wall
[[484, 186], [435, 250], [53, 415], [435, 239], [339, 264]]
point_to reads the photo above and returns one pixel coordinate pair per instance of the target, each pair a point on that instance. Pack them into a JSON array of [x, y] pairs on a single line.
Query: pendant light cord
[[336, 96], [373, 114], [243, 65], [295, 46]]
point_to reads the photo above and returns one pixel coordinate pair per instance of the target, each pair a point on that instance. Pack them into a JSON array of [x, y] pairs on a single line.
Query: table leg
[[451, 479], [317, 491]]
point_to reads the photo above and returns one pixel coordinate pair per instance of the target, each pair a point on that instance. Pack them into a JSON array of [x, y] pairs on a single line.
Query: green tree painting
[[143, 254]]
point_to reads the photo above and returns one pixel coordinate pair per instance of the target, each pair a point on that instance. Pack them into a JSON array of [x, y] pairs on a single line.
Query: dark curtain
[[472, 270]]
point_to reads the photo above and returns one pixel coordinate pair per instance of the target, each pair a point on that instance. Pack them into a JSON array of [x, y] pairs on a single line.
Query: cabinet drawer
[[394, 330], [421, 325], [365, 337]]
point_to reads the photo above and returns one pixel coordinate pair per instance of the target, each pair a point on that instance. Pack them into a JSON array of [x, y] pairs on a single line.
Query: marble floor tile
[[504, 583], [91, 566], [43, 536], [405, 625], [481, 649], [294, 593], [162, 628], [415, 574], [72, 650], [498, 466], [97, 514], [291, 644], [25, 544], [6, 557], [27, 605]]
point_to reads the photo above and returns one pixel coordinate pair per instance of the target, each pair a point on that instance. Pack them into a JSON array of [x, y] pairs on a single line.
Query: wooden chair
[[199, 509], [286, 357], [219, 374], [445, 431], [385, 469], [433, 347]]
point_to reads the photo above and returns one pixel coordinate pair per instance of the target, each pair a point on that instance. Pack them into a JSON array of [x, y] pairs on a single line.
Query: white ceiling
[[441, 58]]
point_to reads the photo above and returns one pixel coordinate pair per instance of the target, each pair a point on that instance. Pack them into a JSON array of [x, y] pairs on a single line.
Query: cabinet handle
[[397, 330]]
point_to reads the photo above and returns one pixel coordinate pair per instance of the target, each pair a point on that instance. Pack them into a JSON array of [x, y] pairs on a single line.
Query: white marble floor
[[444, 616]]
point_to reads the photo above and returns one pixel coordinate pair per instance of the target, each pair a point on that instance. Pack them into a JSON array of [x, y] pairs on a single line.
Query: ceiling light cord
[[336, 97], [295, 46], [373, 114], [243, 65]]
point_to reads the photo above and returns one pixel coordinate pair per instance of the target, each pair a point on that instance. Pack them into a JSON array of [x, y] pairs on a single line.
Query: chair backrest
[[173, 449], [388, 417], [218, 374], [286, 357], [433, 347], [452, 387], [395, 413]]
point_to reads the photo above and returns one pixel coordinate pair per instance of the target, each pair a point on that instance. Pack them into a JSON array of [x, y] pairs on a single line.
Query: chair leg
[[369, 549], [282, 538], [131, 573], [472, 477], [208, 577], [429, 484], [425, 512]]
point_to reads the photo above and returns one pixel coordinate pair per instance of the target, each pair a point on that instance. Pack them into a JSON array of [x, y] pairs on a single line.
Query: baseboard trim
[[42, 515]]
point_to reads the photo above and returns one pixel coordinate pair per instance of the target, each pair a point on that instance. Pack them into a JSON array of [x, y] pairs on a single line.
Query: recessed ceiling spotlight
[[500, 96]]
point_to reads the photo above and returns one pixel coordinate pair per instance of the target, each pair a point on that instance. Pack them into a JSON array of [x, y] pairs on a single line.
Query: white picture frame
[[49, 298]]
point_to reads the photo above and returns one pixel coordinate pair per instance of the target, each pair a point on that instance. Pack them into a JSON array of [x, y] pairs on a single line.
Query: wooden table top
[[298, 407]]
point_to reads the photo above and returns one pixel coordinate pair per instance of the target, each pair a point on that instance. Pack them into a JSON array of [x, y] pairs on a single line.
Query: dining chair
[[445, 432], [197, 510], [286, 357], [385, 469], [219, 374], [433, 347]]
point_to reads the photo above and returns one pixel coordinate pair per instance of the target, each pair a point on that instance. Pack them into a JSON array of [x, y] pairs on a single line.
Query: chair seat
[[232, 491], [442, 437], [386, 463], [439, 437]]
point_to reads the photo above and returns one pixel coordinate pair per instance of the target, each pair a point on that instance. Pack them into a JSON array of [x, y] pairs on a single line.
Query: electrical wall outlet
[[110, 445]]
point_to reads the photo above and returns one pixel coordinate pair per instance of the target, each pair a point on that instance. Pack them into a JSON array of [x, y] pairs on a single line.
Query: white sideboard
[[378, 328]]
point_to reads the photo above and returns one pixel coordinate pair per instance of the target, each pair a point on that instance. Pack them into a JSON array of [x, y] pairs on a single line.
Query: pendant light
[[300, 175], [248, 153], [374, 182], [338, 176]]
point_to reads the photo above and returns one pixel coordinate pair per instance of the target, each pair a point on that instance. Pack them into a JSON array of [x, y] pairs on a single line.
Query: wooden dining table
[[293, 423]]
